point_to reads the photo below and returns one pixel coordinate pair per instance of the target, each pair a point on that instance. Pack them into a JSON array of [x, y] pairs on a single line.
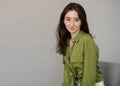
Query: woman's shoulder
[[87, 36]]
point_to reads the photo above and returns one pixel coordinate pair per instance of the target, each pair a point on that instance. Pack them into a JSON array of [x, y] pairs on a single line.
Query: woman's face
[[72, 22]]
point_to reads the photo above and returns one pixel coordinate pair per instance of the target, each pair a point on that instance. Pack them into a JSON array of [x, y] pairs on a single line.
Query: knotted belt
[[72, 73]]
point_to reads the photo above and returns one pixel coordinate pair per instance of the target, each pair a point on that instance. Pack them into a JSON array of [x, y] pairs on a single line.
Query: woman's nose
[[72, 23]]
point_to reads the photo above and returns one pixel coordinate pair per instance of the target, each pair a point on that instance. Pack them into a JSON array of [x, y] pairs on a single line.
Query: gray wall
[[27, 38]]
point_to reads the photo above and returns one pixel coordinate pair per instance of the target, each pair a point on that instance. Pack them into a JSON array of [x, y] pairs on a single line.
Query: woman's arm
[[90, 62]]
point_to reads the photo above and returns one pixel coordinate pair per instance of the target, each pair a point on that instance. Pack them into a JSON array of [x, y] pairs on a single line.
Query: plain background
[[27, 38]]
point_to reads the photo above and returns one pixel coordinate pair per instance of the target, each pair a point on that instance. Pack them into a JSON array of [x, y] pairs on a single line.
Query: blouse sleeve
[[90, 62]]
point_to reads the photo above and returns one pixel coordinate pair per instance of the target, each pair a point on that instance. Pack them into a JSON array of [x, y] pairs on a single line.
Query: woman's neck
[[74, 34]]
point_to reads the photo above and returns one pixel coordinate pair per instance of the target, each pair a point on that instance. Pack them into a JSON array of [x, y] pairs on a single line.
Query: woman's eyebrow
[[67, 17], [71, 17]]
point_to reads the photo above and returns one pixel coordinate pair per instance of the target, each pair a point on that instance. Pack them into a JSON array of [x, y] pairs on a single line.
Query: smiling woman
[[80, 53], [72, 22]]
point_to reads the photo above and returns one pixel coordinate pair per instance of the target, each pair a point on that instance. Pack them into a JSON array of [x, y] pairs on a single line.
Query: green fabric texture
[[81, 61]]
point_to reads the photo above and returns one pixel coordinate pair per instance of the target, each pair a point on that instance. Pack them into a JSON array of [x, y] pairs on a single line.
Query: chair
[[111, 73]]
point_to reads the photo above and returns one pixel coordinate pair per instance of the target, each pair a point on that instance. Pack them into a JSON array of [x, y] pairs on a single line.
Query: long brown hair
[[62, 33]]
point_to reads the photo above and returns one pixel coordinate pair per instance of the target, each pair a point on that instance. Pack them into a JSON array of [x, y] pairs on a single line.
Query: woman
[[80, 53]]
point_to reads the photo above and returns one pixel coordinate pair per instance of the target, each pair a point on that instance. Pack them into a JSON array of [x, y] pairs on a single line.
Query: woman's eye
[[76, 19], [68, 19]]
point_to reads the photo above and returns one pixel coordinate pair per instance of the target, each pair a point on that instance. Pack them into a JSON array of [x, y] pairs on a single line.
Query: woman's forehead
[[71, 13]]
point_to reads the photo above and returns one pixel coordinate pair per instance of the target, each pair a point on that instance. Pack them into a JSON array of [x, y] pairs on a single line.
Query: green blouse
[[81, 61]]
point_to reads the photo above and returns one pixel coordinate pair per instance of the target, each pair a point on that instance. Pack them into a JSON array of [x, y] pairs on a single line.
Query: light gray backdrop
[[27, 38]]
